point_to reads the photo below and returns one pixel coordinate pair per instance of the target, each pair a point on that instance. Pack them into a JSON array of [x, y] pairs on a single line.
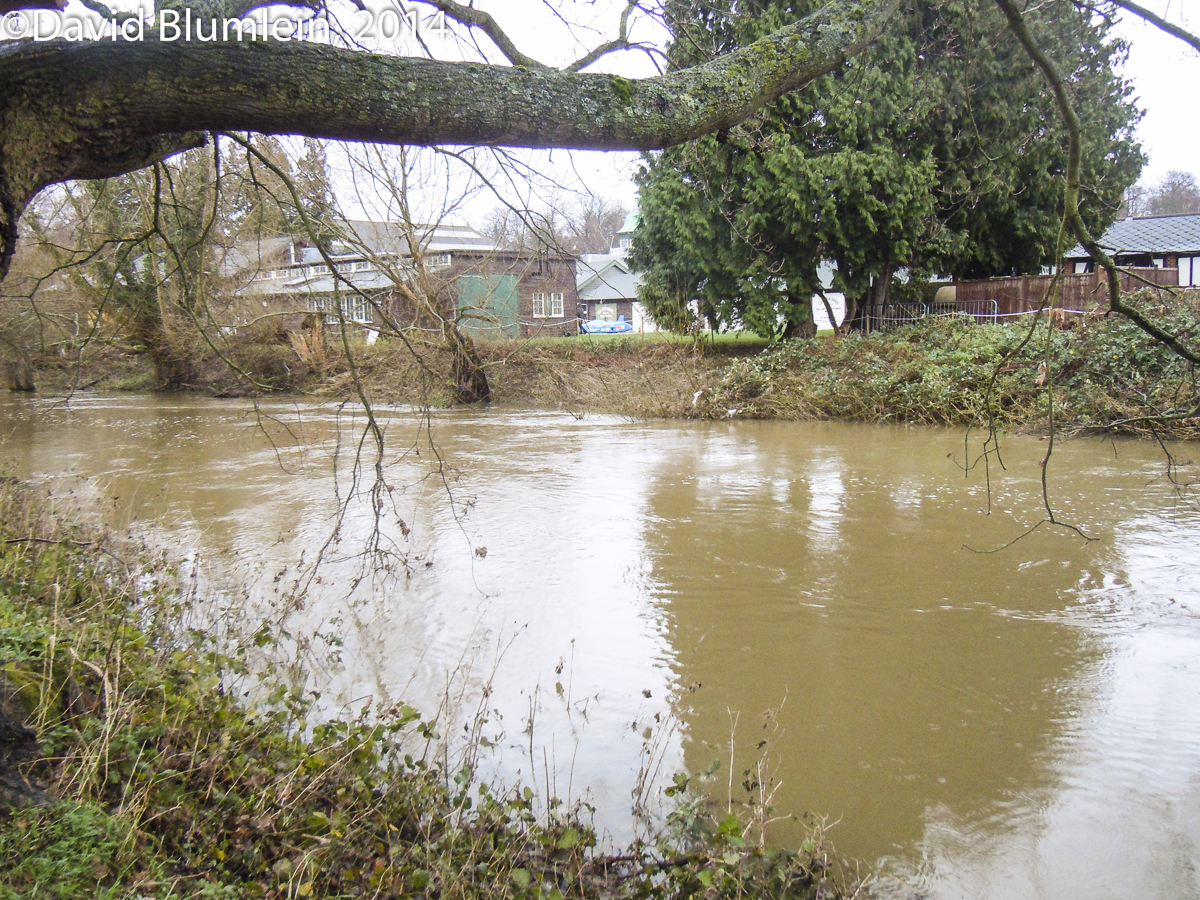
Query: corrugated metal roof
[[392, 237], [1155, 236], [363, 240]]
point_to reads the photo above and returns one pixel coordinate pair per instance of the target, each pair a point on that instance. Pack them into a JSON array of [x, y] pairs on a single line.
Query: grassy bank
[[1095, 375], [158, 780], [1092, 374]]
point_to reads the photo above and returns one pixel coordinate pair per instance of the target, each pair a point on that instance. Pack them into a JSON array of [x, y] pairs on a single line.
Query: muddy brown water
[[1023, 723]]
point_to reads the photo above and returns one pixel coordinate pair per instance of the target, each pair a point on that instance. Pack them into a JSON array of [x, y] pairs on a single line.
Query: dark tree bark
[[804, 326], [94, 109], [470, 380]]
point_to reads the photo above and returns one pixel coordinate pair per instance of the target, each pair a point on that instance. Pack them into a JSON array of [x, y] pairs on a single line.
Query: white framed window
[[438, 261], [362, 266], [354, 309], [318, 270], [556, 306], [539, 306]]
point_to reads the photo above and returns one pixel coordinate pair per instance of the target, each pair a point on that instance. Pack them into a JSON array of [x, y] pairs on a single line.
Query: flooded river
[[628, 599]]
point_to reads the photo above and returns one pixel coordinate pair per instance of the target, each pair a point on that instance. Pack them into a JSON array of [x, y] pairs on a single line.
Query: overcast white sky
[[1166, 75]]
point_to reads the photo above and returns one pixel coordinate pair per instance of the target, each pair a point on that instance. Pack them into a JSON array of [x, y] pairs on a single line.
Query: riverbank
[[1102, 373], [152, 776]]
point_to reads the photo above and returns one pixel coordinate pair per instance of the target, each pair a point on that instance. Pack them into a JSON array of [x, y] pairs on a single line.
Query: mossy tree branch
[[99, 108]]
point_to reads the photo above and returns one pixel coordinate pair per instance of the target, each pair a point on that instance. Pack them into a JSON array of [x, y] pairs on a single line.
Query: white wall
[[641, 319], [1189, 271], [837, 302]]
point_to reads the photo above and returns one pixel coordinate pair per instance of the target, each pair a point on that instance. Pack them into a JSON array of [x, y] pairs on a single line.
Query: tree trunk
[[880, 288], [174, 356], [855, 319], [874, 304], [802, 326], [470, 380]]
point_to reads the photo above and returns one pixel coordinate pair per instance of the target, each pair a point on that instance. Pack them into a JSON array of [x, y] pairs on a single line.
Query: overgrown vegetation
[[168, 785], [1104, 372]]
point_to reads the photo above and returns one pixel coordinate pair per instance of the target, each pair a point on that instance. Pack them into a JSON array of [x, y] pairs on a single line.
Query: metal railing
[[895, 315]]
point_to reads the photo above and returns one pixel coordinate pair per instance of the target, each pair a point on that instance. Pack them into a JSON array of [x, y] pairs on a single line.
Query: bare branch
[[1159, 22], [477, 18], [620, 43]]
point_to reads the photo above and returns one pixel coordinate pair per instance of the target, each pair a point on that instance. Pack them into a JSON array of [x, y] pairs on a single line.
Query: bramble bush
[[169, 783]]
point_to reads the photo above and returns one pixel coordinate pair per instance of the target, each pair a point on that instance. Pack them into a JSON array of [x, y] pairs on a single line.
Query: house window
[[556, 306], [354, 309], [626, 243], [438, 261], [317, 270], [362, 266], [539, 306]]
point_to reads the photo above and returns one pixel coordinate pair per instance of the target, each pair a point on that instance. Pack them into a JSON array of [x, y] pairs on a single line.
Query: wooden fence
[[1081, 293]]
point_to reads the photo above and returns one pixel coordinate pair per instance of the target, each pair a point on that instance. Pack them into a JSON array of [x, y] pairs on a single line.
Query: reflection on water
[[1015, 724]]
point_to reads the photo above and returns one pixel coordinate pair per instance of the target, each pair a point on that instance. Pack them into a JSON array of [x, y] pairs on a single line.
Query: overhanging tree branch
[[100, 108], [154, 87]]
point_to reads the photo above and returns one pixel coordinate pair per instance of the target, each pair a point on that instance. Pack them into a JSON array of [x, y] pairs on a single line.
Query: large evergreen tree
[[937, 150]]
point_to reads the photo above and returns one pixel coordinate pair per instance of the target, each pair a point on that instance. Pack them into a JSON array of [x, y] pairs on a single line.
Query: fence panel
[[1080, 292]]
